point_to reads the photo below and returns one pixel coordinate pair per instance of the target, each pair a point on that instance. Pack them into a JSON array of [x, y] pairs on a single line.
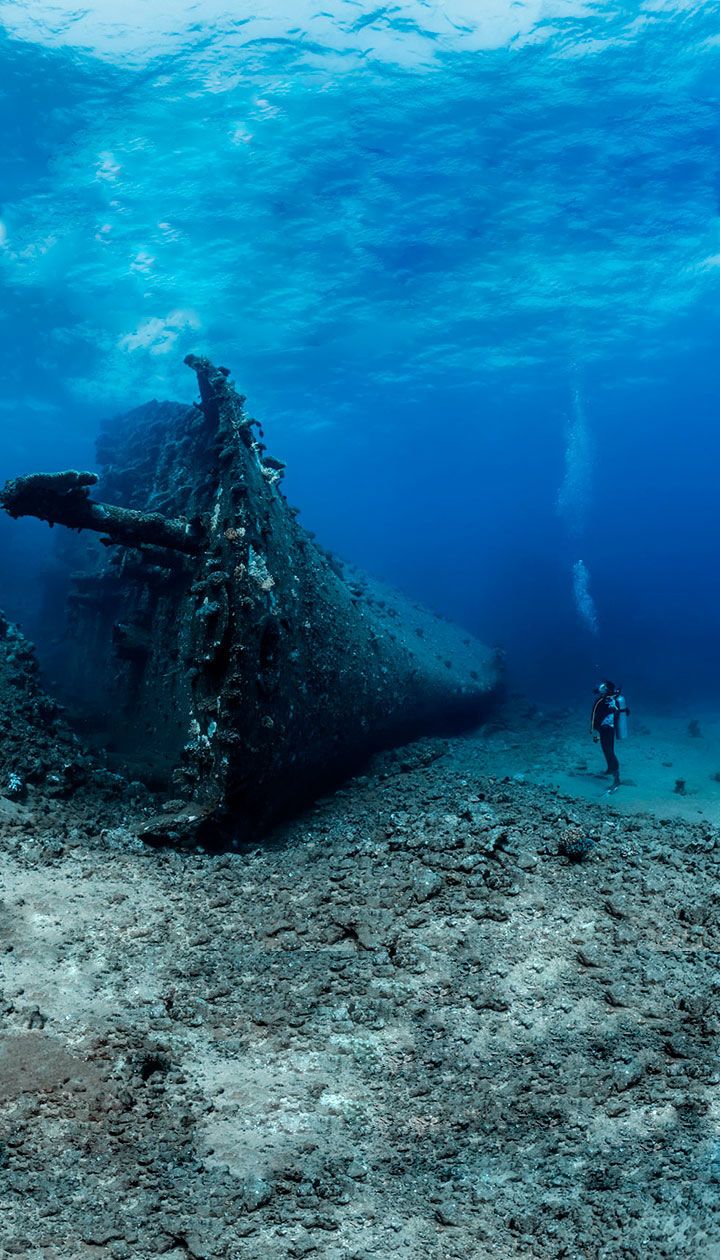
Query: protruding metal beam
[[63, 499]]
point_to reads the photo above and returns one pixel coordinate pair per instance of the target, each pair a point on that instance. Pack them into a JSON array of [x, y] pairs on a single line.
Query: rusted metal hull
[[238, 660]]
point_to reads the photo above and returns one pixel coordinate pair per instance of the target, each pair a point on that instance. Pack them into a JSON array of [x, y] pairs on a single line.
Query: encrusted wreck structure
[[36, 743], [232, 657]]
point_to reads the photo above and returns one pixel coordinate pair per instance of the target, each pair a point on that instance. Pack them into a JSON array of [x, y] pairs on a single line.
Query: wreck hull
[[255, 668]]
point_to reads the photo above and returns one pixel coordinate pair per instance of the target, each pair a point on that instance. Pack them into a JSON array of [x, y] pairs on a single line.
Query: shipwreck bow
[[235, 659]]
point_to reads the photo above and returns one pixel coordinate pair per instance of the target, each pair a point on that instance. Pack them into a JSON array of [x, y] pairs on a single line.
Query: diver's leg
[[615, 764], [607, 741]]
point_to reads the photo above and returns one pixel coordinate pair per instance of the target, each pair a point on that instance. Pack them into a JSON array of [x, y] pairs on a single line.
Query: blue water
[[466, 268]]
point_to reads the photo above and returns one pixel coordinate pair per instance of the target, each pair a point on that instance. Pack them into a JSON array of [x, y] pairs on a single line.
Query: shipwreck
[[219, 649]]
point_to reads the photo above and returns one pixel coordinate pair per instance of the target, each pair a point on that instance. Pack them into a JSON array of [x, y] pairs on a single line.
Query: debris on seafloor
[[39, 753], [225, 652]]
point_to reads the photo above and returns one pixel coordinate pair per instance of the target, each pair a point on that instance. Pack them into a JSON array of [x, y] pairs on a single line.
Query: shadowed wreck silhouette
[[235, 658]]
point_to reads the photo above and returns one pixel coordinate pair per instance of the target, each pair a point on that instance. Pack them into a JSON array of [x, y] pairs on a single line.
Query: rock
[[10, 809], [616, 907], [447, 1214], [629, 1075], [677, 1047], [256, 1192], [102, 1232], [491, 1002], [327, 1223], [616, 1107], [426, 884], [496, 913], [616, 995], [474, 947]]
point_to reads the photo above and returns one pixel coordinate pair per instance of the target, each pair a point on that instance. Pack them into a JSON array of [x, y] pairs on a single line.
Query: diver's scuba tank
[[621, 721]]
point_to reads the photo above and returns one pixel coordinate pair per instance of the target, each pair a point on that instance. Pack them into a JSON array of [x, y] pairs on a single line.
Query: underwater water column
[[584, 601], [575, 493], [573, 503]]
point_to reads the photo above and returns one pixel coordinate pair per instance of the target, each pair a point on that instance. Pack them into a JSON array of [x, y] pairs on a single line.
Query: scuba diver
[[609, 721]]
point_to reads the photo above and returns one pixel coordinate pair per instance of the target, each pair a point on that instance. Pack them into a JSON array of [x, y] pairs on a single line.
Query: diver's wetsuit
[[603, 721]]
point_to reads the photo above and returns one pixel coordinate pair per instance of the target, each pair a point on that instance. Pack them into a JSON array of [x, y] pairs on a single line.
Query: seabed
[[404, 1026]]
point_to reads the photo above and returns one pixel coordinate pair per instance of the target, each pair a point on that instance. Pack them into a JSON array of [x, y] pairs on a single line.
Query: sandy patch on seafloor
[[557, 751]]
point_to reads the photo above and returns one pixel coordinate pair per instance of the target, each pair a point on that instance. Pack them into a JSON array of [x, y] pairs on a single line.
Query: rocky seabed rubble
[[408, 1026]]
